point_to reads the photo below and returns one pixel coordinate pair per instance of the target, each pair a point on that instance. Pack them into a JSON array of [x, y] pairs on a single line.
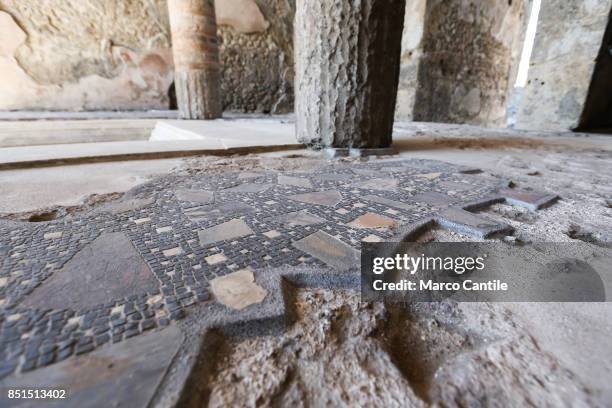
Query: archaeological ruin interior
[[225, 203]]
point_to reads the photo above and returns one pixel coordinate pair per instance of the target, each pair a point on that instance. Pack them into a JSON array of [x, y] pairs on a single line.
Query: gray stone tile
[[108, 268], [297, 218], [249, 188], [235, 228], [388, 202], [329, 198], [329, 250], [294, 181], [123, 374], [206, 212], [196, 196], [465, 222], [533, 200], [380, 184], [125, 205], [433, 198]]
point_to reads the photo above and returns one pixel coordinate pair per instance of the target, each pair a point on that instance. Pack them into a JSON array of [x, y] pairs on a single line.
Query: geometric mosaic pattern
[[155, 252]]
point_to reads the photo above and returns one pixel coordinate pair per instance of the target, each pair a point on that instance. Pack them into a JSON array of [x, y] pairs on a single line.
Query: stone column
[[196, 58], [347, 56]]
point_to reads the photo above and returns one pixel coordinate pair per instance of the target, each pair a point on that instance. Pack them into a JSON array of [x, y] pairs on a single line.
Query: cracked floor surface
[[337, 351]]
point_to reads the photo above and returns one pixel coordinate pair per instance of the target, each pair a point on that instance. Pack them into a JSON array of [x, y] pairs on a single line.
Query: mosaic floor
[[71, 285]]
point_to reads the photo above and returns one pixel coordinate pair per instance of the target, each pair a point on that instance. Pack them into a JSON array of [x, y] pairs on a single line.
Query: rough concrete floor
[[343, 353], [30, 190], [540, 353]]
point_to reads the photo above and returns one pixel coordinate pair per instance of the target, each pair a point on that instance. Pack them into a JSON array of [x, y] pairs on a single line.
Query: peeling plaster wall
[[58, 75], [115, 55], [568, 39], [468, 53]]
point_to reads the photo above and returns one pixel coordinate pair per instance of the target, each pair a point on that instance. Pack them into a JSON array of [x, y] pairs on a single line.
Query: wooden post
[[347, 71], [195, 49]]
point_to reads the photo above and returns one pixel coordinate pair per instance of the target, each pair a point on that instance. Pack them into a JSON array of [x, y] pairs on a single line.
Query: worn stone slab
[[108, 268], [294, 181], [329, 198], [388, 202], [235, 228], [196, 196], [126, 374], [329, 250], [464, 222], [381, 184], [206, 212], [125, 205], [238, 290], [371, 220], [532, 200], [249, 188], [297, 218]]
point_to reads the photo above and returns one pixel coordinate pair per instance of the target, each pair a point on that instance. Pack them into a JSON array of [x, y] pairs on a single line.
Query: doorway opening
[[597, 114]]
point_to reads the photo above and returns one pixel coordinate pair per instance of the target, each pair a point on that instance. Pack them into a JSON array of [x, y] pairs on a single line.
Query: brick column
[[196, 58]]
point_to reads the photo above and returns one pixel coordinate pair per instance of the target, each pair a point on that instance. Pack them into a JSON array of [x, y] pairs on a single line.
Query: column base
[[332, 152]]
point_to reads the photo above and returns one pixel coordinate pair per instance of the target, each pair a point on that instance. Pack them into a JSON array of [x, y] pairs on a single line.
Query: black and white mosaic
[[71, 285]]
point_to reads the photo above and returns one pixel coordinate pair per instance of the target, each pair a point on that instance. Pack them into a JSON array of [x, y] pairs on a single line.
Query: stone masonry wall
[[468, 50]]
